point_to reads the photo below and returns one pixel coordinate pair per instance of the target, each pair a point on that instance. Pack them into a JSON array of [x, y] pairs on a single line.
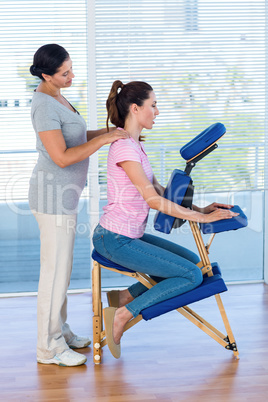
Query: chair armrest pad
[[237, 222]]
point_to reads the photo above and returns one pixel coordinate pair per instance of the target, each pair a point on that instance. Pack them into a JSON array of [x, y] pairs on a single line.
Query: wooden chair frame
[[99, 340]]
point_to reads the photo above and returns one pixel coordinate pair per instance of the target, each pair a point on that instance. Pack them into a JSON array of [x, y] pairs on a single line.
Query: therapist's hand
[[115, 135]]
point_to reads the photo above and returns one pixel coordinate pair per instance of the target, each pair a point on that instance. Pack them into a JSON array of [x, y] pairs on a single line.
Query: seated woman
[[132, 191]]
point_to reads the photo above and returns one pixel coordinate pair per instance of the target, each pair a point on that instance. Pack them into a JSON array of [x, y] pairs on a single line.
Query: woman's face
[[63, 77], [148, 112]]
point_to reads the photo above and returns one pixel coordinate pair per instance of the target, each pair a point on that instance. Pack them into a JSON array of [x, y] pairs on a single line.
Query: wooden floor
[[166, 359]]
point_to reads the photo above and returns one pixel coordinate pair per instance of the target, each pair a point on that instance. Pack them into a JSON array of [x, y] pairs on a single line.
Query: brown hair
[[118, 103]]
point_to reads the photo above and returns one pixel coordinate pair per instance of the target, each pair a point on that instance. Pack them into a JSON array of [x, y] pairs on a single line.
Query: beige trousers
[[57, 235]]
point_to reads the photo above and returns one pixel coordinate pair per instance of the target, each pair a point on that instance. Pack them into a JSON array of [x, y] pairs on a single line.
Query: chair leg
[[203, 252], [230, 337], [99, 340], [97, 312], [203, 325]]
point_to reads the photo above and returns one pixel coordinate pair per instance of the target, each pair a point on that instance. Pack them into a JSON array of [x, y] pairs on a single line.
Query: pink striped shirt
[[126, 212]]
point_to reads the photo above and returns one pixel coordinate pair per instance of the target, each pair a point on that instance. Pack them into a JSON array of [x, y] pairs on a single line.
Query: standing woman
[[64, 146]]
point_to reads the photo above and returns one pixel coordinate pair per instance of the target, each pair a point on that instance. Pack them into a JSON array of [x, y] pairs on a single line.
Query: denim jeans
[[174, 267]]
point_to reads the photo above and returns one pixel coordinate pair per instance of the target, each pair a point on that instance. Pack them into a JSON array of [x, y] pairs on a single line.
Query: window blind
[[24, 27], [204, 59], [206, 63]]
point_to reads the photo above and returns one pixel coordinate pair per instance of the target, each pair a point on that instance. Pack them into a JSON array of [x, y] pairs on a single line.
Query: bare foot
[[122, 316], [124, 297]]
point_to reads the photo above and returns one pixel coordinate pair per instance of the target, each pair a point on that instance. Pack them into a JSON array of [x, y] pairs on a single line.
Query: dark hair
[[118, 103], [48, 59]]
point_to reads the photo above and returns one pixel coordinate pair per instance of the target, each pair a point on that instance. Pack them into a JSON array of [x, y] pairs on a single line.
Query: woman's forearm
[[68, 156], [197, 209], [170, 208], [81, 152], [146, 188], [158, 187], [96, 133]]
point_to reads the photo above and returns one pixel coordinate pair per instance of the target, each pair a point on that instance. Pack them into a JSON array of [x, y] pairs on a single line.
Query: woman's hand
[[115, 135], [213, 207], [218, 214]]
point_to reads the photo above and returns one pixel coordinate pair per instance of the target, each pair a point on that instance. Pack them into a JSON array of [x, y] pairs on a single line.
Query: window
[[214, 74], [24, 27], [191, 15], [3, 103], [206, 63]]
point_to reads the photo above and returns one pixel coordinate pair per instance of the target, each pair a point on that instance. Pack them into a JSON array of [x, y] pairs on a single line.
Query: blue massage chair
[[180, 190]]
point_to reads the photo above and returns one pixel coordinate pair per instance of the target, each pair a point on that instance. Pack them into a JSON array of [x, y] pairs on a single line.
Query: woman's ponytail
[[112, 108]]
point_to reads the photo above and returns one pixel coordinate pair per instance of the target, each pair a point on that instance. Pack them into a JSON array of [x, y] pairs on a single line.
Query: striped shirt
[[126, 212]]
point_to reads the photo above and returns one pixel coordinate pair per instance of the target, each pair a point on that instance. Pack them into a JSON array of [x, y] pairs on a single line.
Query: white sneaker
[[78, 342], [67, 358]]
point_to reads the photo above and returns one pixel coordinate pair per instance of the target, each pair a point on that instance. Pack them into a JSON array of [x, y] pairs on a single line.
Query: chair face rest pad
[[202, 141], [237, 222]]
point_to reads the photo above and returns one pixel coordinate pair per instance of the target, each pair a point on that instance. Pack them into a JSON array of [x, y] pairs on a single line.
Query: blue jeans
[[172, 266]]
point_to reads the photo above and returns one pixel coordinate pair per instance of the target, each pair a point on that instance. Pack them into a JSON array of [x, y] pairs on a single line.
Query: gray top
[[55, 190]]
